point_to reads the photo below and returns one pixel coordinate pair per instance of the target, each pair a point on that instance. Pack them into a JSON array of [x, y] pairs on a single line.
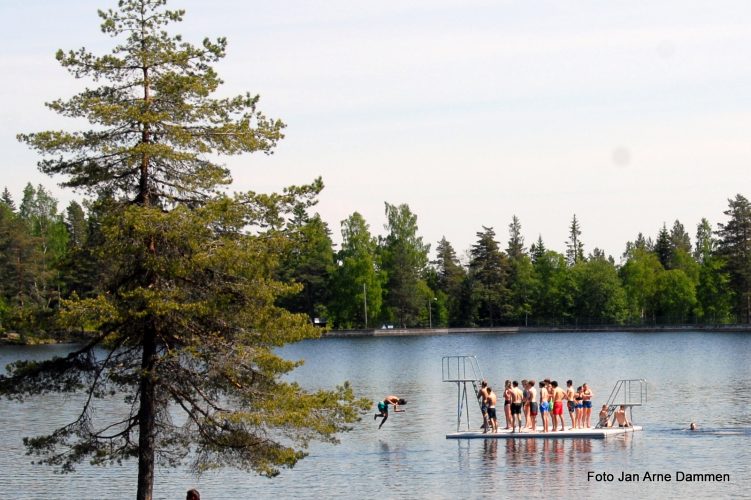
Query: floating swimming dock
[[465, 372], [567, 434]]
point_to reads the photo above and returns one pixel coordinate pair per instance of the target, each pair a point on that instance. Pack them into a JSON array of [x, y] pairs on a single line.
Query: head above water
[[554, 383], [402, 401]]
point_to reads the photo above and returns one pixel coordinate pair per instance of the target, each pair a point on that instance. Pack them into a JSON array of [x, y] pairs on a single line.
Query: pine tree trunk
[[146, 419]]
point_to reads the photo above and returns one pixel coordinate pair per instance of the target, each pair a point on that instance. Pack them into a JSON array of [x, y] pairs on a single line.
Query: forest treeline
[[47, 255]]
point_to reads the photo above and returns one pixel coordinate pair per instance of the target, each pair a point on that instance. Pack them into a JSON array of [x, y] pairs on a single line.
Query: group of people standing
[[522, 403]]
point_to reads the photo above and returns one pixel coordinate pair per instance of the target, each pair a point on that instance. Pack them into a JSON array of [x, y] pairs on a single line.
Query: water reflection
[[490, 452]]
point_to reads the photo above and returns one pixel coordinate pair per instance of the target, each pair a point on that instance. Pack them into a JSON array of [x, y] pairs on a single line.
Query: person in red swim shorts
[[558, 397]]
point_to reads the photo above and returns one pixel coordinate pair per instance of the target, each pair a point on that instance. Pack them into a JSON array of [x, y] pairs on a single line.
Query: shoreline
[[500, 330], [486, 330]]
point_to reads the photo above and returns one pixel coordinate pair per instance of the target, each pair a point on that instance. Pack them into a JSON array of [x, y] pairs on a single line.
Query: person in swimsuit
[[579, 406], [516, 406], [533, 405], [544, 407], [558, 396], [383, 408], [482, 396], [570, 403], [507, 395], [620, 417], [604, 416], [587, 396], [490, 401], [525, 402]]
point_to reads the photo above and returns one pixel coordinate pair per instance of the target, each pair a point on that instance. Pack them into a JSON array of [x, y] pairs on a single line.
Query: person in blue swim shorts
[[587, 403]]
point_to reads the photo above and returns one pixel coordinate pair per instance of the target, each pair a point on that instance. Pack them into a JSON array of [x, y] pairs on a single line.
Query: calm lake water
[[691, 376]]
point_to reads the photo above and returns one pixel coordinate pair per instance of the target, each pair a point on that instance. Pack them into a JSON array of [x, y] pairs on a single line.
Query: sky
[[627, 114]]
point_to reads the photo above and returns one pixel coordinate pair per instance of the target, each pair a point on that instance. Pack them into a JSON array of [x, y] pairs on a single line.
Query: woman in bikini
[[579, 407], [587, 402]]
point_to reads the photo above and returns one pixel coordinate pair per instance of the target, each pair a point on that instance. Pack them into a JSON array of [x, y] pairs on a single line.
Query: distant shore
[[413, 332], [15, 339]]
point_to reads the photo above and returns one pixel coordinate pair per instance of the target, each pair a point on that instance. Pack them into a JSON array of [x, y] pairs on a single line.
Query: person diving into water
[[383, 408]]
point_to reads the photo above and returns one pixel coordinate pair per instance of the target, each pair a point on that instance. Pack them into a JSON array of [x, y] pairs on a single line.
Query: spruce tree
[[489, 270], [516, 240], [450, 279], [7, 199], [537, 250], [735, 247], [664, 248], [189, 320], [574, 245]]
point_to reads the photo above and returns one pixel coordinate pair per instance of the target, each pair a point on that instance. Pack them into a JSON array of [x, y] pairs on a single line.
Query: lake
[[691, 376]]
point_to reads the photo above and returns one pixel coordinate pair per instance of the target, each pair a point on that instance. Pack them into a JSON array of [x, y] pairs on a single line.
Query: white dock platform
[[567, 434]]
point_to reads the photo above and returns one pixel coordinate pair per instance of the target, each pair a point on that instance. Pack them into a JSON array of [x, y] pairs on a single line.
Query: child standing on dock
[[491, 400], [571, 403], [544, 407], [517, 398], [558, 397], [533, 405], [482, 395], [507, 396]]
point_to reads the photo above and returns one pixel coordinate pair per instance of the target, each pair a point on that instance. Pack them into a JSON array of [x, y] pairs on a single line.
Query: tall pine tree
[[189, 322]]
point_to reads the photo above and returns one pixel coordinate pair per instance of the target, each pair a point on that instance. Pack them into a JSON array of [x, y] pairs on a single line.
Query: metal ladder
[[462, 370], [628, 393]]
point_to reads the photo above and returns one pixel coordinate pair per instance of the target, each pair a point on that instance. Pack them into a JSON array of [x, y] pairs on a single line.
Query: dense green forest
[[670, 278]]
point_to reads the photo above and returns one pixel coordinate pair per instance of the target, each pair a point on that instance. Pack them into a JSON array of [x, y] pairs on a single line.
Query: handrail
[[462, 370], [625, 394]]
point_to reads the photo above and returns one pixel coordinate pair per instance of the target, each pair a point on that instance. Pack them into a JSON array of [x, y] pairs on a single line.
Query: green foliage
[[734, 247], [205, 293], [675, 297], [186, 310], [7, 200], [639, 275], [553, 298], [404, 258], [489, 270], [574, 245], [599, 297], [358, 281], [310, 262], [151, 113], [448, 283]]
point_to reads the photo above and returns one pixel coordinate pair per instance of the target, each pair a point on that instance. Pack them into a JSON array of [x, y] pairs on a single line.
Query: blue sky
[[627, 114]]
